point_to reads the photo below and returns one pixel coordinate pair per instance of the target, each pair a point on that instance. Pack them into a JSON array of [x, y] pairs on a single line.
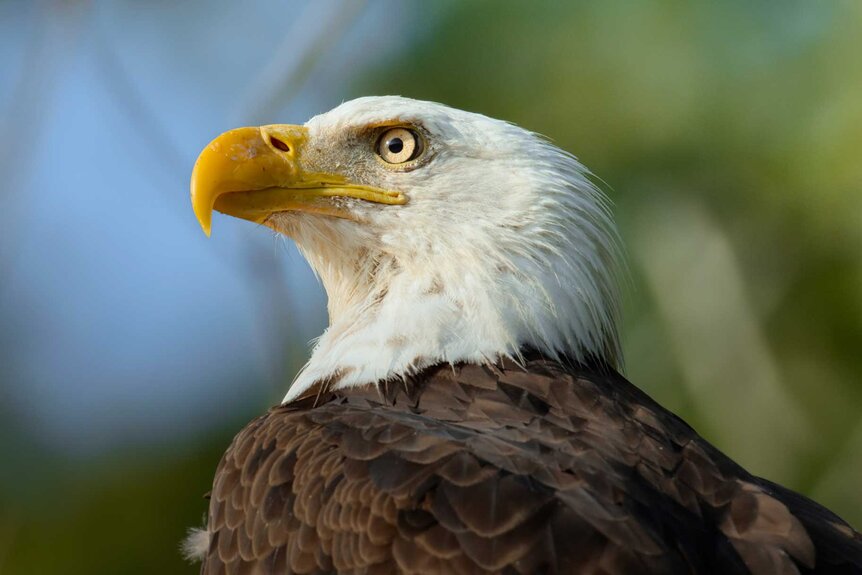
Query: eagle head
[[440, 236]]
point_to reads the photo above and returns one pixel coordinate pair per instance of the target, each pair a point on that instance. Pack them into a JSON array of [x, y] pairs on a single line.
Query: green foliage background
[[729, 137]]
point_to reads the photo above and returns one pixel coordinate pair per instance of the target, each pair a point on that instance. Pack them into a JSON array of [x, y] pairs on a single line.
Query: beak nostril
[[278, 144]]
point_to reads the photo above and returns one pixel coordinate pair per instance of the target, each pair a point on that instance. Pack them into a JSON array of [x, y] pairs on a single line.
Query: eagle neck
[[392, 317]]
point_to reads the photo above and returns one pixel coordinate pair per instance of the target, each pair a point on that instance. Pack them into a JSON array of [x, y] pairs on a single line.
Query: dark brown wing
[[503, 470]]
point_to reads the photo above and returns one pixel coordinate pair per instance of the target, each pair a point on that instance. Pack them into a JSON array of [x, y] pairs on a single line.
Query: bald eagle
[[463, 412]]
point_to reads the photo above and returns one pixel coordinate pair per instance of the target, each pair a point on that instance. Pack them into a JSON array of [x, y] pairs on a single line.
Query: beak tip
[[204, 218], [206, 227], [202, 214]]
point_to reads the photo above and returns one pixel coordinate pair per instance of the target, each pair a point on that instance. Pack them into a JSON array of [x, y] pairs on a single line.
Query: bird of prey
[[463, 412]]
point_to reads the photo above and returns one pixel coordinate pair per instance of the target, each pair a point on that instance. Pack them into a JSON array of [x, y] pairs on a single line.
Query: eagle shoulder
[[537, 468]]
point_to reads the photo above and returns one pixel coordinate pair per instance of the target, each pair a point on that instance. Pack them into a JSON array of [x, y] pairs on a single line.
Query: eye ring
[[399, 145]]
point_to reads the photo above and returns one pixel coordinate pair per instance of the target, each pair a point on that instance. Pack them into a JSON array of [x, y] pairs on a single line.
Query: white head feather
[[504, 244]]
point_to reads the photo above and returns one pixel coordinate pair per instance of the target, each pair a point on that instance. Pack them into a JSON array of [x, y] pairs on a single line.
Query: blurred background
[[132, 348]]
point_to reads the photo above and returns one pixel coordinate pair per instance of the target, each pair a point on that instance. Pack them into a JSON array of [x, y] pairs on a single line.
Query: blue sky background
[[120, 317]]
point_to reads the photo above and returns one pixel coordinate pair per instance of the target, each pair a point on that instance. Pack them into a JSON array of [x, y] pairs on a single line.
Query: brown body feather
[[503, 469]]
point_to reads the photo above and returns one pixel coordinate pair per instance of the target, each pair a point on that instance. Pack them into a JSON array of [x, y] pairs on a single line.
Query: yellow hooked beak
[[252, 173]]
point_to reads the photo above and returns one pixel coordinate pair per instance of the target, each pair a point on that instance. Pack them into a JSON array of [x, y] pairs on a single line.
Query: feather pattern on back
[[500, 469]]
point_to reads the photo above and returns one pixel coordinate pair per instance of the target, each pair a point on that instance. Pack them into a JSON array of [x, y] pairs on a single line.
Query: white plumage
[[504, 244]]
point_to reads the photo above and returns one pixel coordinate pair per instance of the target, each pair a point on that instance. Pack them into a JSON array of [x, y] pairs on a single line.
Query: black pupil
[[395, 145]]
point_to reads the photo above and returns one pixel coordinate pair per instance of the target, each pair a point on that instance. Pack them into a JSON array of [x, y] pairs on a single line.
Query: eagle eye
[[399, 145]]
